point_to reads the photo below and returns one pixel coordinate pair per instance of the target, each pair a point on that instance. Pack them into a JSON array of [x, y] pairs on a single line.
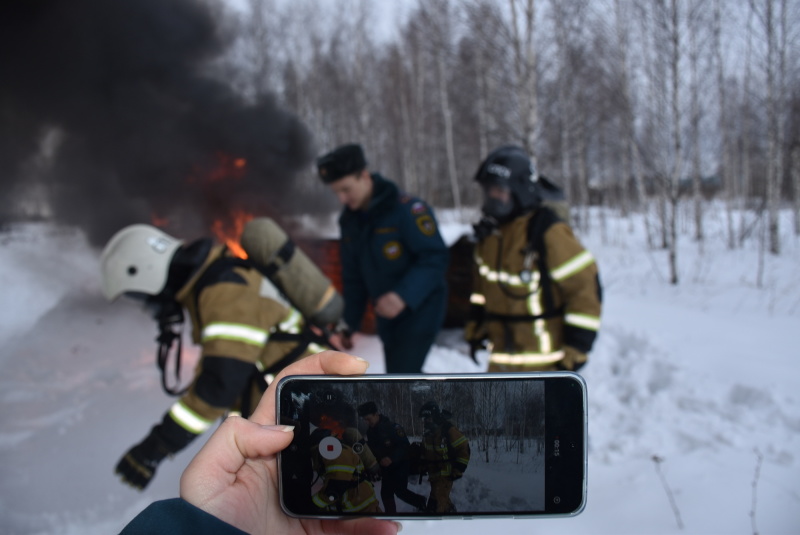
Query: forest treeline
[[630, 104], [494, 415]]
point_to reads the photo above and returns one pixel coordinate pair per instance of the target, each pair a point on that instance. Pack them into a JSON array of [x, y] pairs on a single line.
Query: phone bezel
[[565, 495]]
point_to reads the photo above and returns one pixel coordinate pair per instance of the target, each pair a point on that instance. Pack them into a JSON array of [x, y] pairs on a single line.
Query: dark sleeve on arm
[[177, 517], [422, 238], [354, 290]]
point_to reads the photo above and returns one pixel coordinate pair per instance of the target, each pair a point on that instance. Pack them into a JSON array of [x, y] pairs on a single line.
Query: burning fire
[[227, 168], [228, 232], [334, 426], [226, 229], [159, 221]]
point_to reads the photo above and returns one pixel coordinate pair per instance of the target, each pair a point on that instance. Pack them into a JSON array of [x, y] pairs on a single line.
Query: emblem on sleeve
[[426, 225], [418, 208], [392, 250]]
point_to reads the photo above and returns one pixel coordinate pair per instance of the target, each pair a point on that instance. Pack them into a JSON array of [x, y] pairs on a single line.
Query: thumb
[[236, 441], [249, 440]]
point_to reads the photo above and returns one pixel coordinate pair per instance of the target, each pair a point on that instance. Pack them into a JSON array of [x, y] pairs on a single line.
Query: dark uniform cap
[[340, 162], [367, 408]]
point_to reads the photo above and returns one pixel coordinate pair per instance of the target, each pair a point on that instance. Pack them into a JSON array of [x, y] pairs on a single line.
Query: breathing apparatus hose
[[170, 326]]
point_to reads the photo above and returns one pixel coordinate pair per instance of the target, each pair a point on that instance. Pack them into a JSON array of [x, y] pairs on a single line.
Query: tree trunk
[[724, 167], [796, 189], [677, 147], [697, 186], [447, 115], [526, 64]]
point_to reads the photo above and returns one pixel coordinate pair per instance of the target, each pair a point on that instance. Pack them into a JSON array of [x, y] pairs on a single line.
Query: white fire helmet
[[137, 259]]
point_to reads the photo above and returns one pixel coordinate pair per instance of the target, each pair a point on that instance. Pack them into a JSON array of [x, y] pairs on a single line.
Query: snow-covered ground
[[693, 392]]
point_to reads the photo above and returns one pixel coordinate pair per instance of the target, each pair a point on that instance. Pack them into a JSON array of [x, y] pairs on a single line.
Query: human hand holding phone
[[473, 445], [234, 476]]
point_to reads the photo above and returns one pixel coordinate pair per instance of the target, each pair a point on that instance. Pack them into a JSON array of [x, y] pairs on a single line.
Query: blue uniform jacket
[[388, 439], [177, 517], [394, 245]]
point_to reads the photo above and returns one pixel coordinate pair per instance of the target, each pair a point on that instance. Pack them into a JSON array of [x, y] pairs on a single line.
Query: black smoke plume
[[109, 107]]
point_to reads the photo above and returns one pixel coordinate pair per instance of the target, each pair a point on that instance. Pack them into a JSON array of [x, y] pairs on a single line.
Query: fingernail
[[281, 428], [361, 360], [399, 526]]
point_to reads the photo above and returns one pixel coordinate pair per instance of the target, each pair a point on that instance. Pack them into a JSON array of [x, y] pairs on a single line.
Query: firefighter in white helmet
[[245, 328]]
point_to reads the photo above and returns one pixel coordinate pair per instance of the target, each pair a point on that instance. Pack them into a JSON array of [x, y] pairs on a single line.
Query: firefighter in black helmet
[[536, 296], [445, 456]]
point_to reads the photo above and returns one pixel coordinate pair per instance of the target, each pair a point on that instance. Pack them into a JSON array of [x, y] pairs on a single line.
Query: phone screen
[[434, 446]]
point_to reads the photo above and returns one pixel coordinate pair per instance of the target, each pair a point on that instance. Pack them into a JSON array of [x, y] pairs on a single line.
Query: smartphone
[[434, 446]]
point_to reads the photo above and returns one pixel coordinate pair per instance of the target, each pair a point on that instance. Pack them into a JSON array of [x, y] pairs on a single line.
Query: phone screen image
[[434, 446]]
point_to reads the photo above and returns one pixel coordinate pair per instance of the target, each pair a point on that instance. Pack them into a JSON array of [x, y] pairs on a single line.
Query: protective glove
[[484, 228], [475, 346], [138, 466], [457, 471], [374, 473], [573, 359], [345, 334]]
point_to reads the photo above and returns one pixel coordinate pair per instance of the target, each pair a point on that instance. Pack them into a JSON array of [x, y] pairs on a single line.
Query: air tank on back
[[288, 267]]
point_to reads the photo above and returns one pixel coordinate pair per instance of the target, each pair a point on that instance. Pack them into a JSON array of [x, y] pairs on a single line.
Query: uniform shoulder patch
[[426, 225]]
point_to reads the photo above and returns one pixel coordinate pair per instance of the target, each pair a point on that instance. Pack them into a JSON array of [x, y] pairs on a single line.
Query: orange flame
[[334, 426], [158, 221], [228, 232], [228, 168]]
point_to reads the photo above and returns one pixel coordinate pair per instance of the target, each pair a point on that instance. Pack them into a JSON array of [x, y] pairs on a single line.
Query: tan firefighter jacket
[[344, 487], [536, 315], [445, 451], [234, 313]]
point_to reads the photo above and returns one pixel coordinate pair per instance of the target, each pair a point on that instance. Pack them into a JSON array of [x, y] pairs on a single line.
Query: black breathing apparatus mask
[[496, 211]]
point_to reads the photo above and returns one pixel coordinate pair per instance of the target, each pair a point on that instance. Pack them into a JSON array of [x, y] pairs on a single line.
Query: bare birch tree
[[523, 28], [724, 167], [443, 47], [631, 157], [768, 15], [677, 137], [697, 23], [796, 188]]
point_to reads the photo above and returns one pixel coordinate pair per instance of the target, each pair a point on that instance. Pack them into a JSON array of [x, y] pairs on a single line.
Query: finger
[[324, 363], [227, 449]]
